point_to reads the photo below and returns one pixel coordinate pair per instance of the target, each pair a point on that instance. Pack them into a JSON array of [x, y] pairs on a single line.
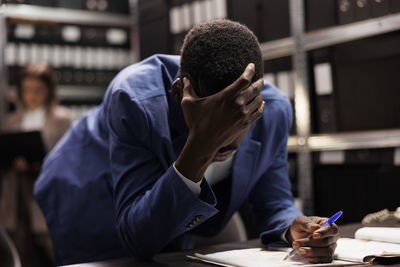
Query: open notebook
[[257, 257], [372, 244], [384, 234], [348, 252], [357, 250]]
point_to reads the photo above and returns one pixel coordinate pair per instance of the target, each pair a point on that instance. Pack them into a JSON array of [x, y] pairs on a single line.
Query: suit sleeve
[[153, 205], [271, 197]]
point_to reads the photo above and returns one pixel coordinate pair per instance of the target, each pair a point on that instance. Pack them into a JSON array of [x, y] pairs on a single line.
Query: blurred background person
[[36, 110]]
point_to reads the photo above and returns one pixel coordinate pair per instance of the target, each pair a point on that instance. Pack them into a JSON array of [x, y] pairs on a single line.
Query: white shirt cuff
[[283, 236], [194, 187]]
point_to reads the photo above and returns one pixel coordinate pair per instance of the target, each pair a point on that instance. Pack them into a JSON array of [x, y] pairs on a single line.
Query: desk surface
[[176, 259]]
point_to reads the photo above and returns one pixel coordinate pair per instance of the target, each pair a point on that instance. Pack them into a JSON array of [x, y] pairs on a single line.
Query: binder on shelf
[[207, 10], [396, 157], [332, 157], [71, 34], [23, 31], [150, 10], [198, 12], [49, 34], [153, 27], [279, 72], [246, 13], [362, 180], [16, 1], [97, 5], [34, 53], [277, 65], [379, 8], [326, 119], [120, 6], [42, 2], [323, 79], [345, 11], [326, 114], [394, 6], [284, 81], [381, 156], [220, 8], [10, 54], [323, 91], [210, 9], [23, 55], [186, 18], [320, 14], [175, 24], [154, 37], [73, 4], [57, 60], [362, 9], [274, 19], [93, 36], [13, 73], [367, 83]]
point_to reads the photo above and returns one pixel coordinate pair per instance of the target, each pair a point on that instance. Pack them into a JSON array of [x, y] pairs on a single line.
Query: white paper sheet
[[385, 234], [256, 257], [357, 250]]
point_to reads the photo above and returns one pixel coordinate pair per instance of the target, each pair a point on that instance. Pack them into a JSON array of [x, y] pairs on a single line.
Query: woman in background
[[37, 110]]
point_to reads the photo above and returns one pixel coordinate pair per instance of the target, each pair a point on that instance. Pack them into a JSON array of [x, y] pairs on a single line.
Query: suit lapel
[[243, 170]]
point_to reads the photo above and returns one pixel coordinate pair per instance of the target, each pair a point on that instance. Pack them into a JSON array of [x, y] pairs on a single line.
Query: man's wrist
[[194, 159], [194, 187], [288, 236]]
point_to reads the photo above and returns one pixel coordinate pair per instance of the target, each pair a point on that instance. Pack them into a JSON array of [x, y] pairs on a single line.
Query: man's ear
[[177, 90]]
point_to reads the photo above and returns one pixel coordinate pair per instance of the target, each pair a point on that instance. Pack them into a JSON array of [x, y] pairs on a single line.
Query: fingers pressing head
[[249, 71], [242, 82]]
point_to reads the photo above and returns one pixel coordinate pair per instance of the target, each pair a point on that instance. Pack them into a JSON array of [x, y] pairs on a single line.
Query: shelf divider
[[64, 15], [332, 36]]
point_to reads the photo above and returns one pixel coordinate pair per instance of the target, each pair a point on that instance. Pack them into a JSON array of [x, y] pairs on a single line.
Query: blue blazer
[[108, 188]]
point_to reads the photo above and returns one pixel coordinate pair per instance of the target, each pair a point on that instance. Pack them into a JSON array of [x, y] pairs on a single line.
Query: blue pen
[[330, 221]]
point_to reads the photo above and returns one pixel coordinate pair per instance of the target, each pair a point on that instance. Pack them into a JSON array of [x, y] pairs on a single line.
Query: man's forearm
[[195, 157]]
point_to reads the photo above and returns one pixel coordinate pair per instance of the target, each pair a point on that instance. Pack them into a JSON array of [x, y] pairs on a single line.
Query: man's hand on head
[[217, 121], [222, 117], [315, 243]]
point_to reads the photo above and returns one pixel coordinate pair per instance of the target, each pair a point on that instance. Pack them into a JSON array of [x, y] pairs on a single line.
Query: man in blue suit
[[174, 149]]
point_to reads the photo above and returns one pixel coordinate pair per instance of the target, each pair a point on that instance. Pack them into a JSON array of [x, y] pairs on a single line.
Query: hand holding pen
[[312, 239]]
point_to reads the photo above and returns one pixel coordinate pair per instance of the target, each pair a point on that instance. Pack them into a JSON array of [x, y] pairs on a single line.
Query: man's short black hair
[[216, 53]]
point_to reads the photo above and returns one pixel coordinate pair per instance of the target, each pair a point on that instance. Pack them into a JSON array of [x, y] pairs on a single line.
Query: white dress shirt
[[216, 172], [33, 120]]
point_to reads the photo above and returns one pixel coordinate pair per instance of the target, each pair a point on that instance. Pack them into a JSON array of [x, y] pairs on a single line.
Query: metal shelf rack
[[332, 36], [304, 143], [348, 140], [56, 15], [63, 15], [355, 140]]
